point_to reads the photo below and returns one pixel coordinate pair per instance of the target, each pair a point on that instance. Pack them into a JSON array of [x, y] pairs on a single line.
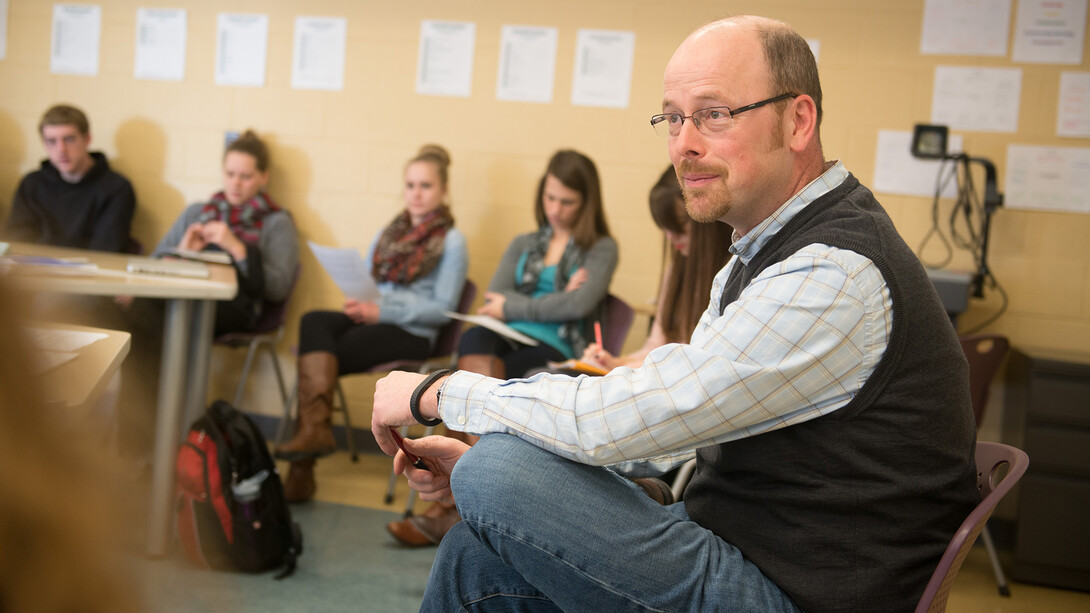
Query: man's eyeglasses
[[712, 120]]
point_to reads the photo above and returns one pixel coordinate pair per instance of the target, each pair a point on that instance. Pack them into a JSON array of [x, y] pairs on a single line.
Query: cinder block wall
[[338, 156]]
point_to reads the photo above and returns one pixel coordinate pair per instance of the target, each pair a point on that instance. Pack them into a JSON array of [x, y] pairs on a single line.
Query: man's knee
[[500, 467]]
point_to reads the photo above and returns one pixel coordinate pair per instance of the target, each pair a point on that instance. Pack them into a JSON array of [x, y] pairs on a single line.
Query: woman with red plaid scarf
[[243, 221], [419, 264]]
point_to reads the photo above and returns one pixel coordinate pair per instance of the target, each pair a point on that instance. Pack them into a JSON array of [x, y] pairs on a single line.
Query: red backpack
[[232, 514]]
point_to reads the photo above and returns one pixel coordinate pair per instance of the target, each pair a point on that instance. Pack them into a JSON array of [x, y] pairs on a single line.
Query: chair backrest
[[991, 461], [451, 333], [619, 316], [133, 247], [985, 353], [273, 317]]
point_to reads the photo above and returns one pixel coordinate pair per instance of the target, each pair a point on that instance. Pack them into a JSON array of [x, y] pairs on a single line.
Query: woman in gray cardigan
[[550, 285], [550, 282]]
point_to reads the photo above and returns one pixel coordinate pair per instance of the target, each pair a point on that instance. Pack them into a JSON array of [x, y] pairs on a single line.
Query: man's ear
[[802, 116]]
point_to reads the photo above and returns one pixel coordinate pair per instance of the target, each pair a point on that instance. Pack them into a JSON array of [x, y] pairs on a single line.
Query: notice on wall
[[318, 59], [160, 44], [976, 99], [241, 45], [1073, 115], [1048, 179], [527, 64], [3, 29], [896, 171], [1050, 31], [965, 27], [77, 29], [815, 48], [445, 64], [603, 68]]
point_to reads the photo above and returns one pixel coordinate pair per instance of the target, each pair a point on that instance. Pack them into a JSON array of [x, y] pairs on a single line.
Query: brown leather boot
[[313, 426], [300, 485], [425, 529]]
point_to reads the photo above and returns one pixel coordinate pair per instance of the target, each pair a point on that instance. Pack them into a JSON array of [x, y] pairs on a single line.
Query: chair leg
[[285, 419], [682, 479], [241, 387], [270, 349], [347, 424], [1000, 578]]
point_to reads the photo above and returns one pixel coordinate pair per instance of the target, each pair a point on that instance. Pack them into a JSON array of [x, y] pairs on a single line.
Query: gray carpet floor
[[349, 563]]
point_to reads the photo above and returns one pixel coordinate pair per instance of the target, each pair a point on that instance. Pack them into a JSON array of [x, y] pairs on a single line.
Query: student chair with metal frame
[[266, 335], [985, 353], [992, 459]]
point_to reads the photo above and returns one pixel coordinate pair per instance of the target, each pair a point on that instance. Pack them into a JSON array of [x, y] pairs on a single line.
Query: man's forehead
[[59, 129]]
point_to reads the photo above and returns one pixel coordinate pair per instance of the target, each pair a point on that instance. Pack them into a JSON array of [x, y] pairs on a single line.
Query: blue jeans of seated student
[[541, 533]]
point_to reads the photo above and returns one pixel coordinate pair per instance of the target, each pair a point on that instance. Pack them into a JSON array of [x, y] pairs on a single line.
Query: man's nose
[[689, 142]]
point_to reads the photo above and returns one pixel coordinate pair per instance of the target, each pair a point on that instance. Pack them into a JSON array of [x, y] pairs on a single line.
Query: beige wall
[[338, 155]]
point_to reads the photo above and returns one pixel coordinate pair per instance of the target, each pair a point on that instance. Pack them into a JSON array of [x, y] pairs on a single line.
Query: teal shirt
[[547, 332]]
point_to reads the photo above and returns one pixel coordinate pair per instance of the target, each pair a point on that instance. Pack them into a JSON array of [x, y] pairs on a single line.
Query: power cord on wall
[[968, 226]]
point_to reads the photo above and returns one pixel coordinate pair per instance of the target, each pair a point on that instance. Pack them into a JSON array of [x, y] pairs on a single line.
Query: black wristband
[[414, 400]]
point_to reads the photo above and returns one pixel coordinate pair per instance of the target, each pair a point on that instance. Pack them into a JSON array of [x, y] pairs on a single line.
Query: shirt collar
[[745, 247]]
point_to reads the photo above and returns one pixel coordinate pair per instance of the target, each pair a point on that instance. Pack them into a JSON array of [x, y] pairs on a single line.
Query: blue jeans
[[541, 533]]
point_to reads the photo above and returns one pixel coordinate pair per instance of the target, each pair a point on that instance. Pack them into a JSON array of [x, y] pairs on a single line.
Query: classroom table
[[78, 384], [187, 342]]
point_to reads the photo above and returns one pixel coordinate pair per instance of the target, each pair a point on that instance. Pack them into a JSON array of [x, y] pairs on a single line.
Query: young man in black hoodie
[[75, 199]]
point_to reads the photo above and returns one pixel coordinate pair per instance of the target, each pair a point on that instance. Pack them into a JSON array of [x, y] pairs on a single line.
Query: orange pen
[[598, 334]]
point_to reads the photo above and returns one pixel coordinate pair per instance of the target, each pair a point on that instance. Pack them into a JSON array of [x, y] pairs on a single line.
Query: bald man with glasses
[[823, 393]]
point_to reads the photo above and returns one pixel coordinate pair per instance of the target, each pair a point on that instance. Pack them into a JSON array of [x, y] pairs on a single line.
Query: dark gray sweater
[[852, 511]]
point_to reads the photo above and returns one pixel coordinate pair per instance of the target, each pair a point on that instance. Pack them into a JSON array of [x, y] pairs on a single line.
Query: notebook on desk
[[168, 267]]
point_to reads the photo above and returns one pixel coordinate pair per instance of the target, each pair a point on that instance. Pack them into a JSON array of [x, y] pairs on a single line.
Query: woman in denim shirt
[[419, 263]]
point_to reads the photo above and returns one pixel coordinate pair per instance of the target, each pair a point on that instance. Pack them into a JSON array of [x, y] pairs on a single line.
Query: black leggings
[[518, 359], [358, 347]]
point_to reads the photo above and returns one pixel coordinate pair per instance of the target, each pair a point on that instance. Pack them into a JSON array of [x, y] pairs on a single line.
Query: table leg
[[171, 378], [200, 349]]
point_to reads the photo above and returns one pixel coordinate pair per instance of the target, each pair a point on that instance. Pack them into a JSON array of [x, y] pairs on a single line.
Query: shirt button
[[461, 420]]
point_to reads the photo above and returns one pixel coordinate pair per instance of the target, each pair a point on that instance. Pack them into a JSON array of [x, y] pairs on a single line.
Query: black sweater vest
[[852, 511]]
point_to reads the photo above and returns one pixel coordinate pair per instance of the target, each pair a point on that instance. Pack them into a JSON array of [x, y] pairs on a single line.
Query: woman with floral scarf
[[419, 264]]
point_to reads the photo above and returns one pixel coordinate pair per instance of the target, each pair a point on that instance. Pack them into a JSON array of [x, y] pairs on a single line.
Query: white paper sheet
[[241, 44], [815, 48], [527, 64], [1050, 31], [1073, 115], [1048, 178], [318, 60], [897, 172], [603, 73], [977, 99], [445, 64], [347, 270], [160, 44], [603, 68], [965, 27], [3, 29], [77, 29], [495, 325]]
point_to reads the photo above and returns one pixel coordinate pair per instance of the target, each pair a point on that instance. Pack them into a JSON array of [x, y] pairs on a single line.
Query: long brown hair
[[576, 171], [689, 281]]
